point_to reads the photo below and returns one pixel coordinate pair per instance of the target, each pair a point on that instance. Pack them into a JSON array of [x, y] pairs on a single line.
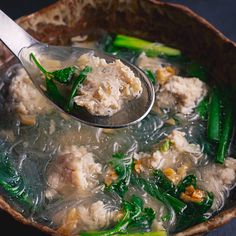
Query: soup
[[170, 171]]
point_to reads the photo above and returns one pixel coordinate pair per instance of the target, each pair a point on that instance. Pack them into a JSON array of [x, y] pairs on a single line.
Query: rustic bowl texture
[[172, 24]]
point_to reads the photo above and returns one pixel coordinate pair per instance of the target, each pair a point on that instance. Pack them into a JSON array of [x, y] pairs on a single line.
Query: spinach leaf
[[142, 45], [155, 191], [187, 181], [107, 45], [62, 76], [161, 188], [53, 93], [12, 183], [214, 115], [194, 69], [162, 181], [154, 233], [134, 216], [194, 213], [45, 72], [77, 82], [151, 76], [123, 165], [227, 129], [202, 108], [143, 221]]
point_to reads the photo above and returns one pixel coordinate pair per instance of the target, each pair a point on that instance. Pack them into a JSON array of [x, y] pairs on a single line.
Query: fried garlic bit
[[176, 176], [171, 175], [192, 195], [138, 166], [111, 176], [164, 74]]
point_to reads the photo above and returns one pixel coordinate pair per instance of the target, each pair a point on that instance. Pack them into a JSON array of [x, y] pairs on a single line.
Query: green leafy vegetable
[[151, 76], [143, 45], [12, 183], [214, 117], [162, 181], [227, 129], [165, 145], [220, 121], [202, 108], [122, 164], [107, 45], [77, 82], [166, 217], [194, 69], [194, 213], [161, 188], [187, 181], [53, 92], [208, 147], [157, 233], [155, 191], [32, 57], [206, 204], [134, 216], [63, 76]]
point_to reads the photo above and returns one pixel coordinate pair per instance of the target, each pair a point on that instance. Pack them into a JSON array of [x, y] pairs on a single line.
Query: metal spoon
[[22, 44]]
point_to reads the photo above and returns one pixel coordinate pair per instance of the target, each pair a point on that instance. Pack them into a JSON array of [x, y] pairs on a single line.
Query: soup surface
[[170, 171]]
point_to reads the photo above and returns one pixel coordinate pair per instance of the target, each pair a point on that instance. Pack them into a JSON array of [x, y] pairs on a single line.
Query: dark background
[[221, 13]]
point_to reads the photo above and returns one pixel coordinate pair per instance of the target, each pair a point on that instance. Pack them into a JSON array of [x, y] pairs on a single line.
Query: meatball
[[74, 170], [83, 218], [107, 87], [26, 99], [184, 93]]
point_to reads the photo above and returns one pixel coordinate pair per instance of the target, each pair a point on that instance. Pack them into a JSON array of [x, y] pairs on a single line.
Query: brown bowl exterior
[[172, 24]]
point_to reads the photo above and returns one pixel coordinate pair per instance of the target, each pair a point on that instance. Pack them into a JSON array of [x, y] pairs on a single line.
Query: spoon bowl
[[131, 112]]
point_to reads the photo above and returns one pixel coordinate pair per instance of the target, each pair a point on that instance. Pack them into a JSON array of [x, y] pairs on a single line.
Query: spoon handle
[[13, 36]]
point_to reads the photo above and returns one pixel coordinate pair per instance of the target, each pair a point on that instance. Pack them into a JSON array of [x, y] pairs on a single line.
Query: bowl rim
[[216, 221]]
